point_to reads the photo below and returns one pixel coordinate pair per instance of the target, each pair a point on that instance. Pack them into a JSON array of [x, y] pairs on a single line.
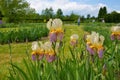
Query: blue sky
[[80, 7]]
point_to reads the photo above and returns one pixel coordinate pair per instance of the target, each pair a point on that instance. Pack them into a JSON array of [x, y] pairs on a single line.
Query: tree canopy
[[47, 13], [113, 17], [14, 10], [59, 13], [102, 12]]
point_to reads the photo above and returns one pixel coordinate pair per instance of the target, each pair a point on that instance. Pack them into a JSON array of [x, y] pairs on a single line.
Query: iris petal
[[100, 53], [40, 56], [90, 50], [53, 37], [34, 57], [50, 58]]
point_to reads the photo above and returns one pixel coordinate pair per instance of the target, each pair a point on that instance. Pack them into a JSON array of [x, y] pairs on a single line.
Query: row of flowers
[[40, 50], [94, 41]]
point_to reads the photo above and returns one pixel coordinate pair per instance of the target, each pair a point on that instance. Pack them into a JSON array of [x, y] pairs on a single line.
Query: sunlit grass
[[18, 53]]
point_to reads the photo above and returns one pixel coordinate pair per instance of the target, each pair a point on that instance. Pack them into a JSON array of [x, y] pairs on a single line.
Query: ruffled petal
[[40, 56], [60, 36], [34, 57], [90, 50], [50, 58], [53, 37], [100, 53]]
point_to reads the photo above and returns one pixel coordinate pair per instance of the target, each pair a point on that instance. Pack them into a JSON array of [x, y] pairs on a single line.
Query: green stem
[[10, 51]]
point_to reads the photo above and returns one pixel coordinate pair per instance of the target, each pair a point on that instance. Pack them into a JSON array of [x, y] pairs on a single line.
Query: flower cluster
[[39, 51], [94, 43], [74, 40], [56, 31], [48, 49], [115, 33]]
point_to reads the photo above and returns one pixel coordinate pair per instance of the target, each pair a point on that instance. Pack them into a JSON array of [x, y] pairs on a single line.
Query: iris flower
[[115, 33], [49, 52], [43, 50], [95, 44], [74, 39], [37, 51], [56, 31]]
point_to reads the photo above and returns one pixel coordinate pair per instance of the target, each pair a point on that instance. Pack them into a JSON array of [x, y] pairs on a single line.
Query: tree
[[47, 13], [88, 16], [59, 13], [113, 17], [74, 16], [102, 12], [15, 10], [93, 17], [82, 18]]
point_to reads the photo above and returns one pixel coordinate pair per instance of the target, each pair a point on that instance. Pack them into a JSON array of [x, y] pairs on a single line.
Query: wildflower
[[50, 56], [57, 23], [49, 52], [90, 49], [60, 34], [74, 39], [53, 36], [94, 43], [38, 52], [41, 50], [115, 33], [56, 31]]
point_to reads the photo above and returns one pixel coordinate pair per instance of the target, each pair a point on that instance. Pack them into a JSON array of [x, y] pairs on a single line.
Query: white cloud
[[66, 6], [118, 11]]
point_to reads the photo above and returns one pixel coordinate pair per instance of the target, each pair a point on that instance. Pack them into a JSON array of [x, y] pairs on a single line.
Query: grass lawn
[[18, 53], [19, 49]]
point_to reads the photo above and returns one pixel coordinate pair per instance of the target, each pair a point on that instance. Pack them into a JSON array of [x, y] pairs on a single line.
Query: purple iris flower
[[100, 53], [40, 56], [50, 58], [90, 50], [53, 37], [60, 36], [34, 57]]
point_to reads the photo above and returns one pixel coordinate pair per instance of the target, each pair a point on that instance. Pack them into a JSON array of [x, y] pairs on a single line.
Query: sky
[[80, 7]]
